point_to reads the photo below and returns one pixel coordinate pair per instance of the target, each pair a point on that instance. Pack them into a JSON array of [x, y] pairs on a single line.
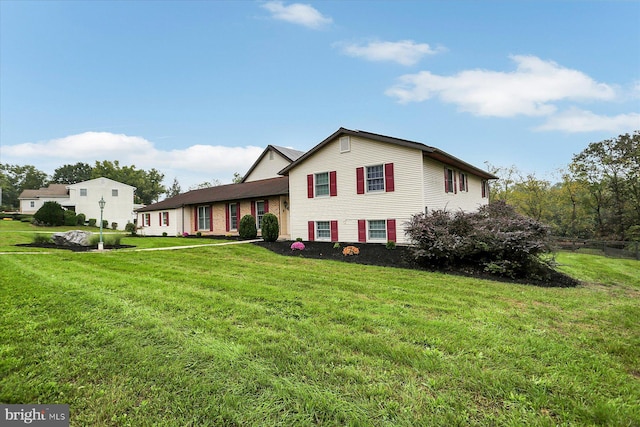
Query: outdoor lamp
[[101, 203]]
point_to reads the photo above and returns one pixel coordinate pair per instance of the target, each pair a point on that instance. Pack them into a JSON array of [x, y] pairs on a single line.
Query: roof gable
[[101, 180], [288, 154], [427, 151]]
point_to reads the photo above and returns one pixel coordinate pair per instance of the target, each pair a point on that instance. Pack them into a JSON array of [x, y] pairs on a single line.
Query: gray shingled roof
[[53, 190], [289, 153], [223, 193], [428, 151]]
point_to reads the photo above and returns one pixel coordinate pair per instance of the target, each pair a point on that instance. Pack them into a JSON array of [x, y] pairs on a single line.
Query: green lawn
[[236, 335]]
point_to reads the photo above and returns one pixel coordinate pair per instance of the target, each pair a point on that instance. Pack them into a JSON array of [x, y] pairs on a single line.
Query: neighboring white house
[[83, 197], [358, 186]]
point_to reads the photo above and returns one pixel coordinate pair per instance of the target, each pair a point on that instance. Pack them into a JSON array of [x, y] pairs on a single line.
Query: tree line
[[14, 179], [596, 196]]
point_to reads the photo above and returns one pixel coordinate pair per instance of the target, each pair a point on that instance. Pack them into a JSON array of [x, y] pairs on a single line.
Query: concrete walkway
[[168, 248]]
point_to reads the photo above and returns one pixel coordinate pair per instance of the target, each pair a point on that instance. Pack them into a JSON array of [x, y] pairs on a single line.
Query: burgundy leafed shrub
[[495, 238]]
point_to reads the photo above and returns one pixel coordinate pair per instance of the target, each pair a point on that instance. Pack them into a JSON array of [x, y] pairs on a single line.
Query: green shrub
[[130, 228], [51, 213], [81, 219], [298, 239], [70, 218], [92, 222], [41, 238], [107, 239], [336, 245], [270, 227], [247, 229], [199, 234], [164, 234], [105, 223], [114, 225], [391, 245]]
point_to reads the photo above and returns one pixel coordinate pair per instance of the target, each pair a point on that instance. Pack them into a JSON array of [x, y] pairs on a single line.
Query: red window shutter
[[195, 214], [334, 231], [455, 183], [391, 230], [238, 215], [253, 209], [226, 217], [211, 218], [360, 180], [160, 219], [362, 230], [333, 184], [310, 186], [311, 228], [446, 181], [389, 181], [167, 219], [266, 205]]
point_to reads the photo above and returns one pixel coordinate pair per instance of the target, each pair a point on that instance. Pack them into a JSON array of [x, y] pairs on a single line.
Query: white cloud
[[576, 120], [197, 163], [297, 13], [530, 90], [405, 52]]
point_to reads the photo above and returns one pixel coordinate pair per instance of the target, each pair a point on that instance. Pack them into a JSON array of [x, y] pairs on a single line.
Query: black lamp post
[[101, 203]]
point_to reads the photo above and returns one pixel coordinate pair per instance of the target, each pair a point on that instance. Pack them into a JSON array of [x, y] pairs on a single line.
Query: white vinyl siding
[[435, 196], [269, 166], [348, 206]]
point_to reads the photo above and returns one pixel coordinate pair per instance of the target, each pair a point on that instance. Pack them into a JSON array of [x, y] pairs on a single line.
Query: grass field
[[236, 335]]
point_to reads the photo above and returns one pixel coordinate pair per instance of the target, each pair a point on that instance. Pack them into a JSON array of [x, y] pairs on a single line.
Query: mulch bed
[[401, 257], [74, 248]]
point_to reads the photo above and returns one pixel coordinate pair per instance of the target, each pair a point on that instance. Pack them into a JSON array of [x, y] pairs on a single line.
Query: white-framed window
[[204, 217], [259, 213], [114, 192], [83, 192], [375, 178], [323, 230], [322, 184], [345, 144], [464, 185], [146, 220], [377, 230], [485, 188], [165, 218], [233, 216], [32, 204], [449, 183]]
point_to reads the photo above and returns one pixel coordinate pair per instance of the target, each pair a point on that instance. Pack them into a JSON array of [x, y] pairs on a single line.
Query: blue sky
[[197, 89]]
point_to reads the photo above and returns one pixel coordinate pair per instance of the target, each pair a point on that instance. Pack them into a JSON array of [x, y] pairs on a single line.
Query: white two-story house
[[358, 186], [83, 197]]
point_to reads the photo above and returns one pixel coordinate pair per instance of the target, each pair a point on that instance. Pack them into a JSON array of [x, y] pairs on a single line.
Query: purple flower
[[297, 246]]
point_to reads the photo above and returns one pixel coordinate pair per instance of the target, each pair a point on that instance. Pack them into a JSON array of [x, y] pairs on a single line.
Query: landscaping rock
[[72, 238]]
